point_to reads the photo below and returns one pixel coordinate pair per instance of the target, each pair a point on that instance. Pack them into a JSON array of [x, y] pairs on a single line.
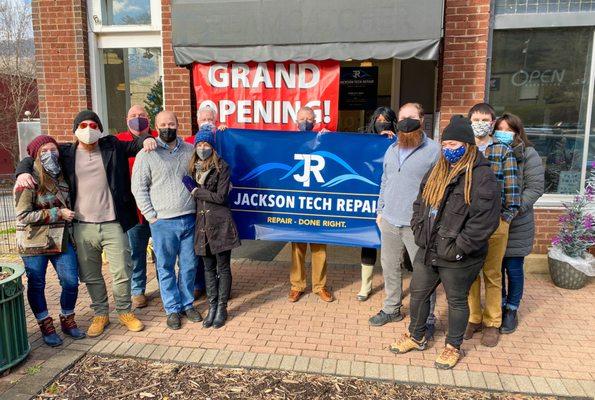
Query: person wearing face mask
[[405, 163], [138, 123], [96, 167], [170, 209], [504, 165], [216, 235], [306, 120], [206, 116], [454, 215], [509, 130], [46, 210]]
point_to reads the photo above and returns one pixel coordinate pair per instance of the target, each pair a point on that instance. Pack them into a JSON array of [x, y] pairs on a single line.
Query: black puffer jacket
[[460, 232], [214, 223]]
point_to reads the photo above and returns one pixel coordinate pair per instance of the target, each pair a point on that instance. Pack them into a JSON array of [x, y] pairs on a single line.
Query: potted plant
[[570, 263]]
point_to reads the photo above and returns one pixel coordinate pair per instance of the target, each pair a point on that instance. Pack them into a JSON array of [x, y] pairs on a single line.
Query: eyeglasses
[[91, 125]]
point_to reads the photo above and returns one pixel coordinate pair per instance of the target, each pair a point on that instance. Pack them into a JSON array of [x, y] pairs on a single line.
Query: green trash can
[[14, 342]]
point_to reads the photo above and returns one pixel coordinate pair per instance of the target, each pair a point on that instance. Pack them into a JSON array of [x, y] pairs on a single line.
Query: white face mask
[[88, 135], [481, 128]]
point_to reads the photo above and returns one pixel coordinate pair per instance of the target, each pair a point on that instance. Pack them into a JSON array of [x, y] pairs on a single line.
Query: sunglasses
[[91, 125]]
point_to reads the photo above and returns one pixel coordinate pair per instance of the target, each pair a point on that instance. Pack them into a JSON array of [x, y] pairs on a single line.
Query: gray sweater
[[400, 182], [157, 182], [531, 181]]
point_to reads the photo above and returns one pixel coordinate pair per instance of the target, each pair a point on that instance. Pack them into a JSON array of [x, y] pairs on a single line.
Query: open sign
[[537, 77]]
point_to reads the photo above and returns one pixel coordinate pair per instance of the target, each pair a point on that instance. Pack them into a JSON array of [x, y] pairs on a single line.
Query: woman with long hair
[[216, 233], [531, 176], [44, 234], [456, 211]]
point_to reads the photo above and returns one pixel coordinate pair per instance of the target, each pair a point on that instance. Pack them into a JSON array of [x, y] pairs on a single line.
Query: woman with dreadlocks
[[455, 213]]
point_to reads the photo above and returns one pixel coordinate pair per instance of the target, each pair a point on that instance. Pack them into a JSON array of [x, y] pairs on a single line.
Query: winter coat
[[531, 177], [459, 235], [214, 224]]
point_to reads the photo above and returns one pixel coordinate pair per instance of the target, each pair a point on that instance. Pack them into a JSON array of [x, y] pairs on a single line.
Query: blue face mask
[[305, 126], [505, 137], [454, 155]]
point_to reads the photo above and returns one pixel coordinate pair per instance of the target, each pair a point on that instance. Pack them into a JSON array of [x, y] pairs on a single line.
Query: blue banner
[[305, 186]]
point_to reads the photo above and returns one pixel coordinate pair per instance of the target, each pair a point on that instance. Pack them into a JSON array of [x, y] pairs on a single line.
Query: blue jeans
[[199, 282], [139, 236], [513, 279], [173, 238], [66, 267]]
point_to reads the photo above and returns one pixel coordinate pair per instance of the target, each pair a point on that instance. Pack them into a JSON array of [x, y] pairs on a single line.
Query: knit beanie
[[35, 145], [86, 115], [459, 129], [205, 135]]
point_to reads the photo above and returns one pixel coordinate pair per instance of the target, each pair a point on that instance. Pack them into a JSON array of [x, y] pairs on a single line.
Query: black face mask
[[168, 135], [408, 125], [383, 126]]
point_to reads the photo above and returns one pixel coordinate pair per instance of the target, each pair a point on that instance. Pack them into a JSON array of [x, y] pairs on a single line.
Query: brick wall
[[464, 53], [546, 226], [176, 80], [62, 63]]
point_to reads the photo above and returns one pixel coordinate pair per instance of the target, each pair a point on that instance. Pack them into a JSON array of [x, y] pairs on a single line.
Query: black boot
[[510, 321], [211, 284], [224, 291]]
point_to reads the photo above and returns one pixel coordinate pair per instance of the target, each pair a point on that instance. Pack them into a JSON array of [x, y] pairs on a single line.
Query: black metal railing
[[7, 216]]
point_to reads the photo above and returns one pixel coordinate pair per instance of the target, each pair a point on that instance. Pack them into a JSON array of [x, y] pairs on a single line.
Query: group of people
[[456, 208]]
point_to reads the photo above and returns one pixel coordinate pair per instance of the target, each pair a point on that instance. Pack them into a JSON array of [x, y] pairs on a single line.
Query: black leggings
[[368, 256]]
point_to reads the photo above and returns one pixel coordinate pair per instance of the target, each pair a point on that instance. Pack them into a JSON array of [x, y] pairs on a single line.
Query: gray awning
[[280, 30]]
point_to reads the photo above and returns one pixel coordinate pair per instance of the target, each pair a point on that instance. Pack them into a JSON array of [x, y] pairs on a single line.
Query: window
[[128, 12], [543, 6], [543, 76]]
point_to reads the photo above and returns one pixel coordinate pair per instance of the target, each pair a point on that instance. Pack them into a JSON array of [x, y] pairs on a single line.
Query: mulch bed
[[97, 377]]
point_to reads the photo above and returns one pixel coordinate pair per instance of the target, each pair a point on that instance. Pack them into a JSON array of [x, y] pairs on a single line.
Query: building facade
[[533, 58]]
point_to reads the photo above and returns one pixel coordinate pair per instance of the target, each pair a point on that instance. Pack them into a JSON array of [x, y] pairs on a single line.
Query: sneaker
[[98, 325], [139, 301], [510, 321], [406, 343], [471, 329], [48, 332], [490, 337], [130, 321], [173, 321], [193, 315], [70, 328], [448, 358], [430, 329], [383, 318]]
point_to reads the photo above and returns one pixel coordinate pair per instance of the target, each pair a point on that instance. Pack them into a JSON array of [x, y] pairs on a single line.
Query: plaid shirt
[[505, 168]]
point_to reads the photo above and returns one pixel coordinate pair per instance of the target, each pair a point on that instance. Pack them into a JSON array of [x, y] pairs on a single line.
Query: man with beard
[[405, 164]]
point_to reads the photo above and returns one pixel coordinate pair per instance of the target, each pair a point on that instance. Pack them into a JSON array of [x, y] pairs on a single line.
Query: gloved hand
[[189, 183]]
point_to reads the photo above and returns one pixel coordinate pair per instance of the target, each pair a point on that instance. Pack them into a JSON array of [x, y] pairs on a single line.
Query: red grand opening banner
[[267, 95]]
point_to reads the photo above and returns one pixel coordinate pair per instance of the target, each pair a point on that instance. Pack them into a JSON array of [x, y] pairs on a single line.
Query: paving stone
[[329, 366], [358, 369], [509, 383], [476, 379], [171, 353], [234, 359], [99, 346], [195, 356], [122, 349], [315, 365], [416, 374], [589, 387], [79, 346], [557, 386], [287, 363], [248, 360], [386, 372], [301, 364], [445, 377], [183, 354], [209, 356], [372, 370], [261, 360], [540, 385], [110, 347], [343, 367], [401, 373], [524, 384], [158, 353], [135, 349], [12, 394], [461, 378], [222, 357], [573, 387], [431, 376], [492, 381], [147, 350], [274, 361]]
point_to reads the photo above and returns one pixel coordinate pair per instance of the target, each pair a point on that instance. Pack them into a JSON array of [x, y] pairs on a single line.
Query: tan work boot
[[139, 301], [448, 358], [406, 343], [130, 321], [98, 325], [366, 289], [490, 337], [471, 329]]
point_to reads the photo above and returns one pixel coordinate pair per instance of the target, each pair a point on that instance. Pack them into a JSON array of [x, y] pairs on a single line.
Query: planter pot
[[14, 342], [565, 275]]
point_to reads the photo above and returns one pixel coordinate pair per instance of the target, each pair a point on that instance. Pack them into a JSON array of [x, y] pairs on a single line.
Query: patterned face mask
[[49, 162], [481, 128], [454, 155], [505, 137]]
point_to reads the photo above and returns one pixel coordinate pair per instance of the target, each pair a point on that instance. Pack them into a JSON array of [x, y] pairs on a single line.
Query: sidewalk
[[552, 352]]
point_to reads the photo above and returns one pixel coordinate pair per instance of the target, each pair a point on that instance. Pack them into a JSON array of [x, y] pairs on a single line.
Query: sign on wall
[[358, 88], [305, 187], [268, 95]]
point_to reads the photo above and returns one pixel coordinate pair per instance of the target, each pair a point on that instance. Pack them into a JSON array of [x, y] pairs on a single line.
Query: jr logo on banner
[[305, 187], [268, 95]]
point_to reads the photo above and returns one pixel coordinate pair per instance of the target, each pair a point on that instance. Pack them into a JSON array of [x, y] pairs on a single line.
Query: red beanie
[[35, 145]]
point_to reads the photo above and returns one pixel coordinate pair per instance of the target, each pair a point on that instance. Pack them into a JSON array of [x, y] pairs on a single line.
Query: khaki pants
[[91, 241], [492, 278], [297, 275]]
